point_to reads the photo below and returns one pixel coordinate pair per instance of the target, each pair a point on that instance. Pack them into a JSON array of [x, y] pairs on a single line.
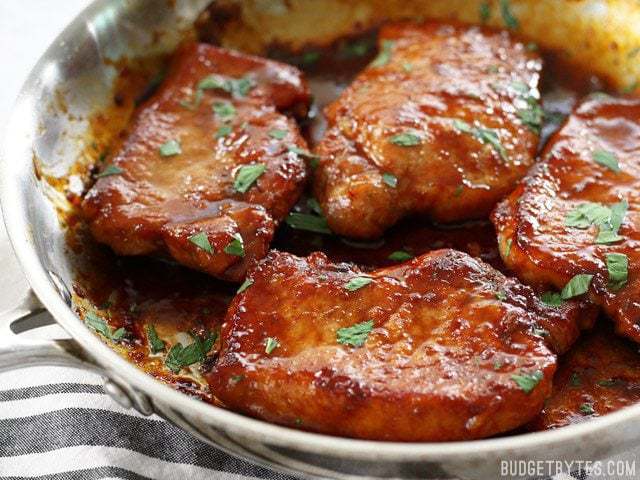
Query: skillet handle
[[18, 352]]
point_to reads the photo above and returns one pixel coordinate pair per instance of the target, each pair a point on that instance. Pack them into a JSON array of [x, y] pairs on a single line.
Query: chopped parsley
[[390, 180], [270, 345], [574, 380], [406, 139], [553, 299], [101, 326], [532, 116], [357, 283], [195, 103], [587, 409], [309, 58], [247, 176], [507, 16], [238, 87], [277, 134], [180, 356], [201, 240], [400, 256], [485, 12], [484, 135], [170, 148], [314, 206], [607, 159], [223, 131], [607, 219], [224, 110], [246, 284], [384, 57], [407, 67], [355, 335], [303, 153], [236, 246], [501, 295], [608, 382], [578, 285], [507, 248], [540, 332], [156, 345], [109, 171], [359, 48], [310, 223], [527, 381], [618, 268]]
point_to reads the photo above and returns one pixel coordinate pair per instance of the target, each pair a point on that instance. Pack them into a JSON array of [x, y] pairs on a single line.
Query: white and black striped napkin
[[58, 424]]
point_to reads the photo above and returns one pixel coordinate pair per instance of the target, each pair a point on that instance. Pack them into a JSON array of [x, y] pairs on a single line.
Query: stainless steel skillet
[[73, 79]]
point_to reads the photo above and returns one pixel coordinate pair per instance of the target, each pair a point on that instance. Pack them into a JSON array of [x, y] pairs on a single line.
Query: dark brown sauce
[[134, 292]]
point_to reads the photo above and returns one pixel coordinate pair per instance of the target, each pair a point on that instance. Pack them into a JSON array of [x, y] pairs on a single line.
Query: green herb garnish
[[553, 299], [180, 356], [587, 409], [310, 223], [309, 58], [201, 240], [501, 295], [607, 159], [239, 87], [578, 285], [507, 248], [357, 283], [355, 335], [278, 134], [527, 381], [484, 135], [400, 256], [247, 176], [224, 110], [574, 380], [270, 345], [618, 268], [101, 326], [407, 139], [390, 180], [246, 284], [170, 148], [223, 131], [509, 19], [236, 246], [303, 153], [532, 116], [485, 12], [384, 57], [156, 345], [110, 170]]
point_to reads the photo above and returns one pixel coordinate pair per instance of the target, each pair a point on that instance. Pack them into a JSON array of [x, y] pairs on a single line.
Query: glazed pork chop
[[443, 123], [443, 347], [210, 165], [574, 222]]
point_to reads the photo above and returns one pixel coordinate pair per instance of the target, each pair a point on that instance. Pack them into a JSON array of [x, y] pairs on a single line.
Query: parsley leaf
[[607, 159], [201, 240], [357, 283], [355, 335], [314, 206], [156, 345], [303, 153], [310, 223], [400, 256], [501, 295], [170, 148], [246, 284], [247, 175], [574, 380], [390, 180], [223, 131], [507, 248], [553, 299], [485, 12], [618, 268], [509, 19], [384, 57], [236, 246], [180, 356], [527, 381], [101, 326], [110, 170], [587, 409], [270, 345], [406, 139], [587, 214], [224, 110], [238, 87], [532, 116], [277, 134], [484, 135], [578, 285]]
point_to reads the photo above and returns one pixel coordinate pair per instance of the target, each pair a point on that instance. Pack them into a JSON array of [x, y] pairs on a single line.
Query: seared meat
[[601, 374], [440, 348], [574, 222], [443, 123], [209, 166]]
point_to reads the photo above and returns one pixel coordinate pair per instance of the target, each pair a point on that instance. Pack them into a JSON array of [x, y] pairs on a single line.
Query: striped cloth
[[58, 424]]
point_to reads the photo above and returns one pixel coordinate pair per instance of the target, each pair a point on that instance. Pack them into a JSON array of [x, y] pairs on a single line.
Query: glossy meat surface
[[450, 339], [434, 126], [599, 375], [225, 111], [535, 220]]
